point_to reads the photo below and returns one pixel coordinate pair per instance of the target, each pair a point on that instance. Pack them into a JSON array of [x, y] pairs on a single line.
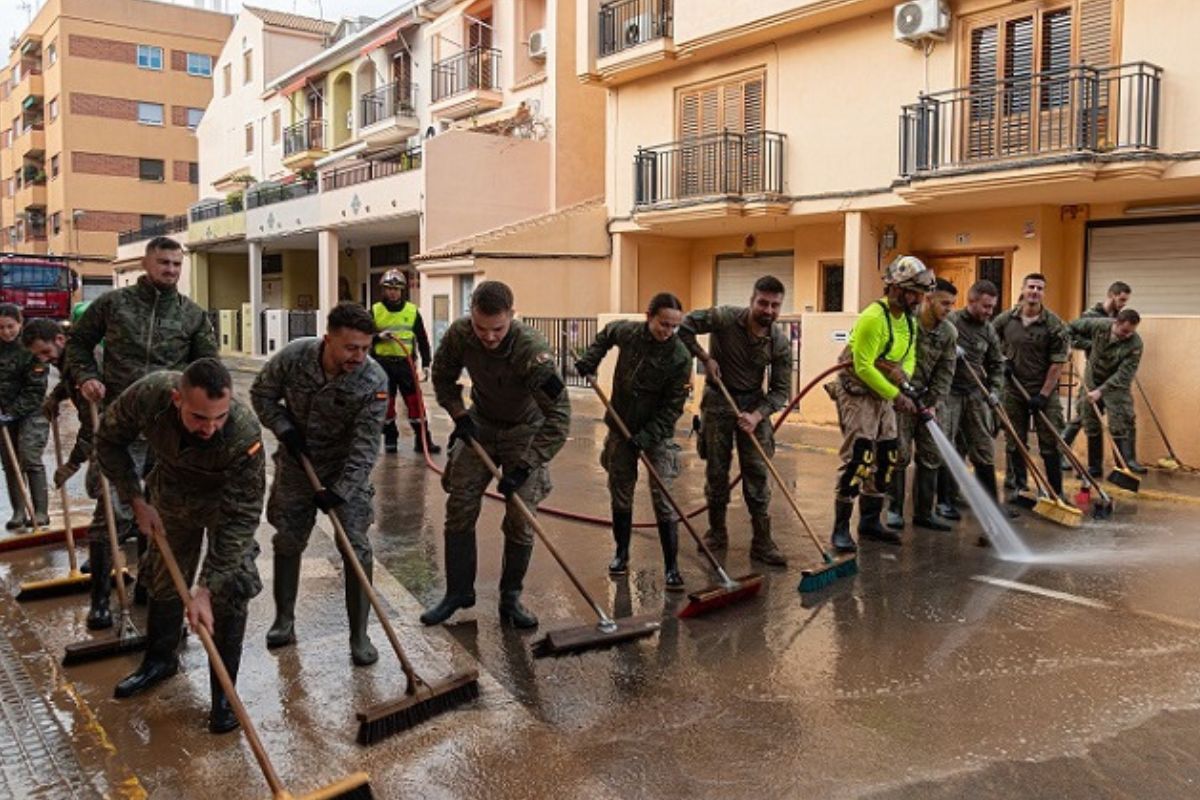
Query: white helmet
[[394, 278], [909, 272]]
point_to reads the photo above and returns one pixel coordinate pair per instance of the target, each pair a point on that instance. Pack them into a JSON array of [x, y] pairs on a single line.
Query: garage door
[[1160, 261], [736, 276]]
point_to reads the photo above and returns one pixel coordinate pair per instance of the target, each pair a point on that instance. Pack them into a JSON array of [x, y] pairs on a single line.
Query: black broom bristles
[[410, 712]]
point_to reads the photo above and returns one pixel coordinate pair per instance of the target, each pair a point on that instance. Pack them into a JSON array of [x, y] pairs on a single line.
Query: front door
[[963, 270]]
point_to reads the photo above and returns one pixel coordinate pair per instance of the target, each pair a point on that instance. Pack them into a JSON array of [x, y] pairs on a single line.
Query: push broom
[[725, 593], [422, 700], [1173, 462], [830, 569], [353, 787], [607, 631], [127, 638], [1121, 476], [75, 581]]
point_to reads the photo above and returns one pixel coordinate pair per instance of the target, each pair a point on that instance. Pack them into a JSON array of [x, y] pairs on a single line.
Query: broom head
[[1124, 479], [588, 637], [1168, 463], [356, 786], [127, 640], [73, 583], [429, 700], [1058, 512], [1102, 508], [719, 595], [41, 538], [818, 577]]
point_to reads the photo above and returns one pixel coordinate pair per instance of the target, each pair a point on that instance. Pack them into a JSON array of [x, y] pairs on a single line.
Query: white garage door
[[736, 276], [1160, 261]]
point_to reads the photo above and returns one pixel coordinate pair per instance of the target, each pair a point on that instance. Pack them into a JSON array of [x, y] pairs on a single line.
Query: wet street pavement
[[937, 672]]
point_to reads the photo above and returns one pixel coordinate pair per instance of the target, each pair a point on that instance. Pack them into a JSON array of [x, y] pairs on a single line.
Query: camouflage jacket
[[515, 384], [218, 483], [1084, 342], [981, 349], [144, 329], [744, 358], [650, 382], [1112, 365], [22, 380], [341, 418], [936, 360], [1032, 349]]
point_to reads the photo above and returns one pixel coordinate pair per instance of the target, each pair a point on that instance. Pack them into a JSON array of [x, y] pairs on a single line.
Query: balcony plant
[[235, 199]]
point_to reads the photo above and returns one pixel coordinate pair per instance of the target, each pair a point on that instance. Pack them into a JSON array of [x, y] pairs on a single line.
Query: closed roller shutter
[[1160, 261], [736, 276]]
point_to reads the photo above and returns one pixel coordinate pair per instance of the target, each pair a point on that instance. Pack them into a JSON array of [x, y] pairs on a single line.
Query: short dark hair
[[40, 330], [943, 285], [208, 374], [1130, 316], [11, 310], [491, 298], [1120, 287], [350, 315], [1033, 276], [663, 300], [162, 243], [769, 284], [980, 288]]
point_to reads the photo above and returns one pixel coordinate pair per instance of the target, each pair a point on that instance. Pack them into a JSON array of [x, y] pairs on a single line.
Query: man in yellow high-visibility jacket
[[400, 329]]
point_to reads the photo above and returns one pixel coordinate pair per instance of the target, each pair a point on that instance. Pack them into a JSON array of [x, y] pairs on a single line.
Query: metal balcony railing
[[212, 209], [268, 194], [176, 224], [628, 23], [393, 100], [307, 134], [1073, 110], [722, 164], [364, 171], [477, 68]]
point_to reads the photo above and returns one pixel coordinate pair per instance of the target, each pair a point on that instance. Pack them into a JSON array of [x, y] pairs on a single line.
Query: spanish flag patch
[[381, 395], [254, 448]]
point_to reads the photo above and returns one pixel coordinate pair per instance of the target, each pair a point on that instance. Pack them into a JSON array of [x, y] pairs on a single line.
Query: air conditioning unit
[[538, 45], [275, 330], [230, 327], [637, 30], [918, 21]]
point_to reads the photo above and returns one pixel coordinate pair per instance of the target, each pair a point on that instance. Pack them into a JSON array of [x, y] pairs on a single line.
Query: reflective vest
[[400, 323]]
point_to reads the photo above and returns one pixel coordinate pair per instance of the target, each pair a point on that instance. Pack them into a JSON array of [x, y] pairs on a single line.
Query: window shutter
[[1056, 59], [983, 67], [752, 127], [1095, 32]]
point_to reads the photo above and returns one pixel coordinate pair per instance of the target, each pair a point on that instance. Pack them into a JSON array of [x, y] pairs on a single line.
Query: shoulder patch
[[381, 395], [254, 448], [544, 357]]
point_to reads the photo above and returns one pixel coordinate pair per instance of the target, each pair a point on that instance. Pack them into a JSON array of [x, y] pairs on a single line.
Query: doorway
[[964, 269]]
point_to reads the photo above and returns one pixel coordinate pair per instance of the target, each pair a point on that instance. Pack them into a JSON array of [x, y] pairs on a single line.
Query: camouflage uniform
[[744, 359], [341, 420], [1112, 366], [522, 413], [1083, 342], [22, 389]]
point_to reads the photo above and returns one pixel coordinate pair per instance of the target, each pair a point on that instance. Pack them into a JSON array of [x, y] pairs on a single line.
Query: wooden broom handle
[[1066, 449], [1042, 481], [65, 498], [1120, 459], [18, 475], [110, 519]]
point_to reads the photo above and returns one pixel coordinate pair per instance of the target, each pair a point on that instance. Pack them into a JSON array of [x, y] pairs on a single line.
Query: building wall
[[228, 286], [299, 277]]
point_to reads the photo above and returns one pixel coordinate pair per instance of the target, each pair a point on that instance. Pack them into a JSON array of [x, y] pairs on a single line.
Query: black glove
[[513, 479], [1008, 370], [327, 500], [583, 369], [1038, 402], [913, 393], [464, 430], [293, 440]]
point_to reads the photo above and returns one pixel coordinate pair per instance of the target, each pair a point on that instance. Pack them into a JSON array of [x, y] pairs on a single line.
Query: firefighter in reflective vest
[[399, 327]]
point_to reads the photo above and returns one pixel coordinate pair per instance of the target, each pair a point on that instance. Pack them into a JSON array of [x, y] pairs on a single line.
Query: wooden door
[[959, 270]]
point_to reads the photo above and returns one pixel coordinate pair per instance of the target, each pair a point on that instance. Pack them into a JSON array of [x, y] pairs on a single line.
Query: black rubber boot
[[1068, 435], [1125, 445], [947, 496], [418, 429], [762, 546], [99, 616], [512, 574], [717, 535], [20, 518], [1016, 477], [40, 496], [1054, 472], [894, 518], [1096, 455], [286, 587], [668, 537], [622, 527], [164, 626], [460, 580], [358, 614], [391, 436], [229, 630], [924, 494], [870, 506], [841, 539]]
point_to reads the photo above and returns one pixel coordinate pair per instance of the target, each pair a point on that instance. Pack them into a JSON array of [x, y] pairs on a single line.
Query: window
[[832, 277], [199, 64], [733, 106], [51, 54], [8, 138], [54, 162], [250, 138], [276, 126], [56, 222], [151, 221], [149, 57], [194, 115], [151, 169], [52, 107], [150, 113], [247, 66], [193, 172], [226, 79]]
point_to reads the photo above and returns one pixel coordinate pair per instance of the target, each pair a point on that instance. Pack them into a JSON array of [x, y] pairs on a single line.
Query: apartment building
[[99, 103]]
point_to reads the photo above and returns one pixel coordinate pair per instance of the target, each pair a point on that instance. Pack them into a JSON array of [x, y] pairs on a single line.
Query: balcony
[[1066, 115], [265, 194], [176, 224], [28, 93], [627, 24], [304, 143], [366, 171], [216, 220], [467, 83], [31, 143], [389, 114], [724, 174]]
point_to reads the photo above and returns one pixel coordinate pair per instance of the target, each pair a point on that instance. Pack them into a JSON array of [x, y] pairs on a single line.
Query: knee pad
[[857, 469], [887, 454]]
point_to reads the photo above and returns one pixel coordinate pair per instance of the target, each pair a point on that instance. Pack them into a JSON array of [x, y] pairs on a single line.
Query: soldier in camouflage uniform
[[1036, 346], [1114, 353], [146, 327], [22, 389], [47, 340], [650, 386], [207, 482], [744, 343], [324, 399], [936, 342], [520, 414]]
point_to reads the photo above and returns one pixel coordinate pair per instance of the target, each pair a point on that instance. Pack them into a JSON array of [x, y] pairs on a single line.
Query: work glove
[[584, 369], [913, 393], [1038, 402], [293, 441], [464, 430], [327, 500], [513, 479]]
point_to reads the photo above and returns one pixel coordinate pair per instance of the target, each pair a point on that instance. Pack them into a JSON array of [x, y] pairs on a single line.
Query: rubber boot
[[20, 518], [460, 580], [418, 429], [1125, 445], [668, 537], [164, 625], [40, 496], [841, 539], [947, 496], [894, 518], [622, 526], [717, 535], [516, 562], [99, 616], [870, 506], [924, 494], [229, 630], [358, 613], [762, 546], [1096, 455], [1016, 477], [1054, 472], [286, 587], [391, 436], [1068, 435]]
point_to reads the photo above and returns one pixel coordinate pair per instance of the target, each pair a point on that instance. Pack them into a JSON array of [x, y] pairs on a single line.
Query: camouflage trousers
[[1020, 415], [620, 460], [719, 432], [466, 479], [914, 439], [967, 421], [292, 512], [98, 528], [1118, 411], [870, 443], [28, 437]]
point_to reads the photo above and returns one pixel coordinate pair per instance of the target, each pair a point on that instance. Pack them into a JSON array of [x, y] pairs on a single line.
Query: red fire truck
[[40, 286]]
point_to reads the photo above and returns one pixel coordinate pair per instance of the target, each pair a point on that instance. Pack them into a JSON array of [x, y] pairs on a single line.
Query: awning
[[300, 83], [386, 37], [31, 101]]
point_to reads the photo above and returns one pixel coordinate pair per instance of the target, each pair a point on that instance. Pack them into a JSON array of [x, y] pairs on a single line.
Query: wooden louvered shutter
[[754, 145], [1095, 32], [710, 163], [699, 120], [983, 73]]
